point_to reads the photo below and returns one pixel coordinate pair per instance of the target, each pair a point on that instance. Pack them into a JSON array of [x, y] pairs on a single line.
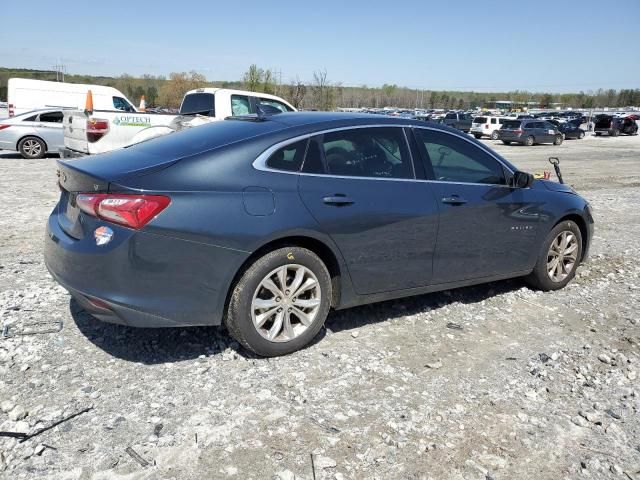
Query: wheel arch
[[24, 137], [326, 253], [582, 225]]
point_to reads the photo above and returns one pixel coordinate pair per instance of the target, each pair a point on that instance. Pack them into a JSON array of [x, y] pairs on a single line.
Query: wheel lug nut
[[278, 299], [279, 310], [295, 299], [286, 292], [289, 309]]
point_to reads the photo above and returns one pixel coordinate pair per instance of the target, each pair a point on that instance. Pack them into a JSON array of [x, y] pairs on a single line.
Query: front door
[[486, 227], [359, 184]]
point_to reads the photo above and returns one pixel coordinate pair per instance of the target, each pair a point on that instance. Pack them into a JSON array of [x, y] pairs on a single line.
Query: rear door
[[486, 228], [360, 186], [49, 127], [74, 126]]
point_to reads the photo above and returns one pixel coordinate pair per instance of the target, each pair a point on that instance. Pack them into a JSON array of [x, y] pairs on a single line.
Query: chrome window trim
[[260, 163]]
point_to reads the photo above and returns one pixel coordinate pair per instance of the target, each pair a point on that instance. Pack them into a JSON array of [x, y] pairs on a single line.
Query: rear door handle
[[454, 200], [338, 200]]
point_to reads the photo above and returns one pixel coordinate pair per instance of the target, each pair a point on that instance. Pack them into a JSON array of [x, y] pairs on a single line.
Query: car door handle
[[338, 200], [454, 200]]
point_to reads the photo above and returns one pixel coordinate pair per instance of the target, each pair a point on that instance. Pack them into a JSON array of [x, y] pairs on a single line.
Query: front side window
[[451, 116], [120, 103], [240, 105], [367, 152], [288, 158], [454, 159]]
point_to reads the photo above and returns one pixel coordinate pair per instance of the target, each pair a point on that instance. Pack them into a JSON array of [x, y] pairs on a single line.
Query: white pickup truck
[[100, 131]]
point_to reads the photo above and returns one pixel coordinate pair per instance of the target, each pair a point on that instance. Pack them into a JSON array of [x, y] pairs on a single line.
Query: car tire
[[597, 134], [495, 135], [529, 141], [256, 311], [558, 140], [546, 276], [506, 142], [581, 136], [478, 136], [32, 147], [614, 133]]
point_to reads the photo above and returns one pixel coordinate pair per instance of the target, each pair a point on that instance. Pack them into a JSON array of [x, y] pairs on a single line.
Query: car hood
[[557, 187]]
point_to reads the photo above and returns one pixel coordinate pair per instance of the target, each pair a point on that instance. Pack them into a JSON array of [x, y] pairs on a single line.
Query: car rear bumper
[[68, 153], [142, 279]]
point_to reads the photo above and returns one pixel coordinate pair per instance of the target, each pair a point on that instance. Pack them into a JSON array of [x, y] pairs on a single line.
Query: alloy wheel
[[562, 256], [32, 148], [286, 303]]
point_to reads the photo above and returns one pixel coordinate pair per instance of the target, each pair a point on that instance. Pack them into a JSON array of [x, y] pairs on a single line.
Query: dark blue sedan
[[266, 223]]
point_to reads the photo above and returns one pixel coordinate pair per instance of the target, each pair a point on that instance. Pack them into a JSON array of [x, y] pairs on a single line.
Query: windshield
[[198, 103]]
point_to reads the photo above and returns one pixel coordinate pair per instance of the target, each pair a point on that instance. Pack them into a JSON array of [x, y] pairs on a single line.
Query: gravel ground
[[488, 382]]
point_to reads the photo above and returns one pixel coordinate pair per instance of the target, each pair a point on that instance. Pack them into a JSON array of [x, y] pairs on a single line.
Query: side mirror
[[522, 179]]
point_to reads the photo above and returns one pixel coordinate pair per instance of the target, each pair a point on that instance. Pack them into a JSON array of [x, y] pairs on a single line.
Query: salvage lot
[[494, 381]]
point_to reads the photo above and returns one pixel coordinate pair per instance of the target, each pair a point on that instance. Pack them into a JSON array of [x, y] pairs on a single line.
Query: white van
[[25, 95], [487, 125]]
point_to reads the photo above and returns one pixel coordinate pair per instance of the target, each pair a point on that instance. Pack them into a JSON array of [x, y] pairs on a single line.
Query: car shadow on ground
[[152, 346], [10, 155]]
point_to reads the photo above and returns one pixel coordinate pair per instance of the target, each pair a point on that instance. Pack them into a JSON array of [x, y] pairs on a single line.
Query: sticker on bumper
[[103, 235]]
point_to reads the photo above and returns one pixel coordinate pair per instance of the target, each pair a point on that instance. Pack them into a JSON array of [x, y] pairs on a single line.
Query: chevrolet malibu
[[267, 223]]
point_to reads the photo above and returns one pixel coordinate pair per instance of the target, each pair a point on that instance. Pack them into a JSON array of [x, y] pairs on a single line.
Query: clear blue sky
[[482, 45]]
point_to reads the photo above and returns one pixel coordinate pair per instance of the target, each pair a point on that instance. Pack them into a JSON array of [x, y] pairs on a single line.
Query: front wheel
[[32, 147], [581, 136], [559, 257], [558, 140], [478, 136], [529, 141], [495, 135], [614, 132], [280, 303], [506, 142]]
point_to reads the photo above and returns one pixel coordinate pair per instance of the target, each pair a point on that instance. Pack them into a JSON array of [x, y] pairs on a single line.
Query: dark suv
[[461, 121], [614, 126], [529, 131]]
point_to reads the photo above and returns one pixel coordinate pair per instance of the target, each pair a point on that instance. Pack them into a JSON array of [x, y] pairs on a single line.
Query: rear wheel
[[494, 135], [280, 303], [558, 140], [477, 135], [597, 134], [614, 133], [32, 147], [581, 136], [559, 257], [506, 142], [529, 141]]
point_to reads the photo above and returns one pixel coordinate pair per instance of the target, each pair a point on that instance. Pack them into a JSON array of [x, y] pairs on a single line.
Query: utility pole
[[60, 70]]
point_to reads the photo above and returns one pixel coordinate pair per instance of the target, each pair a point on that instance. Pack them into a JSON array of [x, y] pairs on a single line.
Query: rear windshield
[[511, 124], [198, 103], [480, 120]]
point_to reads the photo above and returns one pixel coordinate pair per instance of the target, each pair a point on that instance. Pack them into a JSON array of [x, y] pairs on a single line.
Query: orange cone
[[88, 105], [143, 105]]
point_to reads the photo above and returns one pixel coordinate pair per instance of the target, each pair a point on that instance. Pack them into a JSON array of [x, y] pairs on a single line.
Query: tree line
[[322, 93]]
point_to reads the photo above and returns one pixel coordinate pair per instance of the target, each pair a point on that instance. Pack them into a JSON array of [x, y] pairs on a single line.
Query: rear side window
[[54, 117], [480, 120], [451, 116], [514, 124], [198, 103], [275, 104], [367, 152], [32, 118], [454, 159], [240, 105], [120, 103], [288, 158], [494, 121]]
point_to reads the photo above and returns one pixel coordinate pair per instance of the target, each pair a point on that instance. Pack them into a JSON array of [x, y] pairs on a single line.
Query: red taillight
[[96, 129], [133, 211], [12, 112], [2, 127], [486, 127]]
